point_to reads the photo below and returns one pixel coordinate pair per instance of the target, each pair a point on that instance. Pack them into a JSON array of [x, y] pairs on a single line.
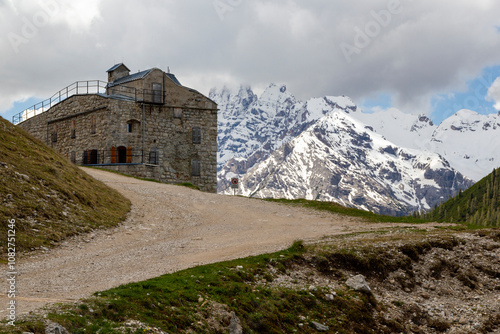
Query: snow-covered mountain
[[251, 128], [260, 135], [338, 159], [466, 139]]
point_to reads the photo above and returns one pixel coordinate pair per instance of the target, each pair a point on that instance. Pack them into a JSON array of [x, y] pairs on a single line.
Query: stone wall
[[83, 123]]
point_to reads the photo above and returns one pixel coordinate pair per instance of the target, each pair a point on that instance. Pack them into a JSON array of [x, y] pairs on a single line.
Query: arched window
[[73, 129], [133, 125]]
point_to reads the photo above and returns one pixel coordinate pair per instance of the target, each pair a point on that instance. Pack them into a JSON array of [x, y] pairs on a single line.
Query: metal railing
[[91, 87], [79, 87]]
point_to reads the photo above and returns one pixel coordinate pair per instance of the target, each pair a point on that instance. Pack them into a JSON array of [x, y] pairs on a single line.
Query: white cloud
[[494, 93], [424, 47]]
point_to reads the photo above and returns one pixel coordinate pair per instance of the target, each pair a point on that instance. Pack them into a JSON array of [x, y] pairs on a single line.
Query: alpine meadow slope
[[49, 198], [479, 205]]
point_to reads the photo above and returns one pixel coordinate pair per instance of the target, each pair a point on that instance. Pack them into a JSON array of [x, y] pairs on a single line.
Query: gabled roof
[[116, 66], [132, 77], [173, 78]]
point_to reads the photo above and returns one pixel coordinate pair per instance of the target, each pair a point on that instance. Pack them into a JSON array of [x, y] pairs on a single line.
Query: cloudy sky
[[432, 57]]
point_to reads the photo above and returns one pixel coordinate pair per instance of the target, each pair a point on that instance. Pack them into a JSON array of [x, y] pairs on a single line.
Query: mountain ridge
[[252, 128], [339, 160]]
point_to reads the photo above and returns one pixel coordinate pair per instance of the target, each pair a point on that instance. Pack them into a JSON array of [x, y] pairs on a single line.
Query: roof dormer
[[118, 71]]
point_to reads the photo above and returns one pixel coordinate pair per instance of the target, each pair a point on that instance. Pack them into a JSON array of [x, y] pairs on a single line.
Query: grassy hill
[[478, 205], [48, 197]]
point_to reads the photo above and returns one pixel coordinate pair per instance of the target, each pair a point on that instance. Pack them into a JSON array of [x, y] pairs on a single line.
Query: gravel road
[[168, 229]]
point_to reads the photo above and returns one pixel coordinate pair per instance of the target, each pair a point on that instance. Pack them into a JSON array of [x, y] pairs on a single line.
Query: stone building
[[144, 124]]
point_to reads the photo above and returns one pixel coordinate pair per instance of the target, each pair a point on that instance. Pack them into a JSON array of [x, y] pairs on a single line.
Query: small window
[[196, 168], [92, 125], [157, 93], [73, 129], [196, 135], [54, 133], [130, 127], [153, 157], [177, 112]]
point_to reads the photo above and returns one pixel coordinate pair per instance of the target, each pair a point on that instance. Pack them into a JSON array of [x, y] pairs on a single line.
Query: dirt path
[[169, 228]]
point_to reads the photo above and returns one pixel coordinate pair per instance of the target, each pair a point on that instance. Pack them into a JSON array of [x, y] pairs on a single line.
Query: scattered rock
[[319, 327], [312, 288], [358, 283], [23, 176], [239, 267], [329, 297], [235, 325], [54, 328]]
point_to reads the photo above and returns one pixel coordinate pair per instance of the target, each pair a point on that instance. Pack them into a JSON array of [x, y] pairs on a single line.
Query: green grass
[[337, 208], [49, 198], [478, 206], [172, 302]]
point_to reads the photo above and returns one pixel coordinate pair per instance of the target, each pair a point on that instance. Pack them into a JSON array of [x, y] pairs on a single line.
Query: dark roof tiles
[[116, 66], [132, 77]]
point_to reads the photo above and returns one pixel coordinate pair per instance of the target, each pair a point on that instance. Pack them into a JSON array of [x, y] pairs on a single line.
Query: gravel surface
[[168, 229]]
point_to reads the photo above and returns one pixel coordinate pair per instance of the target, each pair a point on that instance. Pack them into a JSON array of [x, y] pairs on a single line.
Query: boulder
[[235, 325], [358, 283], [319, 327], [54, 328]]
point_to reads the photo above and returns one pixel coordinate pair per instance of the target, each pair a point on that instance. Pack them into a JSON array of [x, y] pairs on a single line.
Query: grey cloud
[[427, 47]]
